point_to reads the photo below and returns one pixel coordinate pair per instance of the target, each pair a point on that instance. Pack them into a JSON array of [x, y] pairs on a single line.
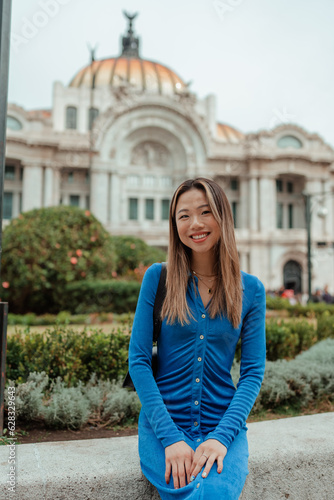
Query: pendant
[[209, 291]]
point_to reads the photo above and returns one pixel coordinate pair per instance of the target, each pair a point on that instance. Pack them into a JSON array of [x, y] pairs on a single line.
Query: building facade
[[127, 131]]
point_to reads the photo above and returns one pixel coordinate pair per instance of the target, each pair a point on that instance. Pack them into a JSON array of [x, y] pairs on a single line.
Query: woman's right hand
[[179, 457]]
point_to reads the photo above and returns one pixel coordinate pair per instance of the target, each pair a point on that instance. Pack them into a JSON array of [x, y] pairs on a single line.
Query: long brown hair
[[227, 296]]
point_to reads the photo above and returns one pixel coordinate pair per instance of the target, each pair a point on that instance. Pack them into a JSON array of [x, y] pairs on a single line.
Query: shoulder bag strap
[[159, 298]]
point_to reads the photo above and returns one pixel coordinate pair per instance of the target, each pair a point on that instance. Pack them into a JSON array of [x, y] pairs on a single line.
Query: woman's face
[[196, 225]]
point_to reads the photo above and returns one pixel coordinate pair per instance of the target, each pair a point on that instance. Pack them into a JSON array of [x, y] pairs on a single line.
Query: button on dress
[[193, 397]]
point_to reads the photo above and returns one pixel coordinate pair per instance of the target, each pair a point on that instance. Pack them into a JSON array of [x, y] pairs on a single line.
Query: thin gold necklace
[[205, 275], [209, 287]]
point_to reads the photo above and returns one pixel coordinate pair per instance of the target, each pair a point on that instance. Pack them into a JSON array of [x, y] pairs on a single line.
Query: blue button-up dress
[[193, 397]]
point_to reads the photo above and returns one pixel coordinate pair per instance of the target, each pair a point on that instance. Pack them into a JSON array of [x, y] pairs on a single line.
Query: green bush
[[63, 352], [96, 296], [286, 338], [132, 251], [325, 325], [47, 248], [296, 383], [311, 310], [277, 303], [65, 317]]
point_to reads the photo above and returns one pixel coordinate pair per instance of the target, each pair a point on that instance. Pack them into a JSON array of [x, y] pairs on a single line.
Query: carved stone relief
[[151, 154]]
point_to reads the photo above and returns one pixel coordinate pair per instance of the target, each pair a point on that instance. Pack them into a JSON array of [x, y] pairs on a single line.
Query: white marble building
[[126, 131]]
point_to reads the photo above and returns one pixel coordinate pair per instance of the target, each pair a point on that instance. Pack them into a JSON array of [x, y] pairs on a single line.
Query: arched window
[[289, 141], [71, 117], [93, 113], [13, 123], [292, 276]]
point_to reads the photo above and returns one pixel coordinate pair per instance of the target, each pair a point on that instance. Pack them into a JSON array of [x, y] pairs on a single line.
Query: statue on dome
[[130, 44], [130, 18]]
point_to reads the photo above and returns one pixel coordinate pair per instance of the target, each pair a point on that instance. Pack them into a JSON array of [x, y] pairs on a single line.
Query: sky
[[267, 61]]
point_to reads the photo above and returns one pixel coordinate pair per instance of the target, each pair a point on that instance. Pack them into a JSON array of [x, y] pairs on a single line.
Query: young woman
[[192, 431]]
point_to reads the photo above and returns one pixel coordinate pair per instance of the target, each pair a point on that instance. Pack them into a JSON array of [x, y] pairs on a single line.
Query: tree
[[44, 249]]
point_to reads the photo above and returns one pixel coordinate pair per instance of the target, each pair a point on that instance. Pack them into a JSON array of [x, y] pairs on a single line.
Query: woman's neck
[[203, 264]]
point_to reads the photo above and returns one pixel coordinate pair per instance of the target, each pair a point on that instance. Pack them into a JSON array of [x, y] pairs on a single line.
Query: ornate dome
[[228, 134], [138, 73], [129, 69]]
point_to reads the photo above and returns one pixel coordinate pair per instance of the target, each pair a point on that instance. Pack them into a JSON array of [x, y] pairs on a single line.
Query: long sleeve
[[253, 355], [140, 358]]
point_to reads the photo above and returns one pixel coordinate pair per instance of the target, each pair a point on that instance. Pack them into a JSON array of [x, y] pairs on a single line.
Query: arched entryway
[[292, 276]]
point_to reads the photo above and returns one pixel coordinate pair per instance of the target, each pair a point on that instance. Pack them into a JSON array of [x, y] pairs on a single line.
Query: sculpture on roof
[[130, 44], [130, 18]]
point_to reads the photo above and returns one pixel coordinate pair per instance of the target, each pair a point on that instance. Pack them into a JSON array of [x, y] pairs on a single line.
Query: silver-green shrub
[[121, 404], [298, 382], [29, 396], [68, 407]]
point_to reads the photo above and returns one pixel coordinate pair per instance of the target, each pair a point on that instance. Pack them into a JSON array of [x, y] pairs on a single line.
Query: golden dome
[[139, 73], [228, 134]]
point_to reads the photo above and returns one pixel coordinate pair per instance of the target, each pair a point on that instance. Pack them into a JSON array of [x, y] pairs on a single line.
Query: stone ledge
[[290, 458]]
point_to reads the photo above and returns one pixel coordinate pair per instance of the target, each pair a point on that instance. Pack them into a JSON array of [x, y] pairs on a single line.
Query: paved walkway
[[289, 459]]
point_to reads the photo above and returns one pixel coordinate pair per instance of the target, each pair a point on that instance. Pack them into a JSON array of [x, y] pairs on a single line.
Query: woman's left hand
[[207, 453]]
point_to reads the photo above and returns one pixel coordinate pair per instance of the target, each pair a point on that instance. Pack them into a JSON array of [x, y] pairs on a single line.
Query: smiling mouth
[[199, 236]]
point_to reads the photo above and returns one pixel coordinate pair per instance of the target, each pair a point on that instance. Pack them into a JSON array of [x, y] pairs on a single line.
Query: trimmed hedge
[[101, 296], [71, 355], [311, 310], [287, 338], [66, 318], [297, 383]]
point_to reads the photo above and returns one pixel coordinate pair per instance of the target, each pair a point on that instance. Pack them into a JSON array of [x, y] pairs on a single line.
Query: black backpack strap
[[159, 298]]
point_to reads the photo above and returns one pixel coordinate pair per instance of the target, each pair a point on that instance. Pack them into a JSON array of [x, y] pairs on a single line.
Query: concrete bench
[[289, 459]]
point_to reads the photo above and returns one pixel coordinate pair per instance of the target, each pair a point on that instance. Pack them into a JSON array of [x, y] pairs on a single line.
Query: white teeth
[[199, 236]]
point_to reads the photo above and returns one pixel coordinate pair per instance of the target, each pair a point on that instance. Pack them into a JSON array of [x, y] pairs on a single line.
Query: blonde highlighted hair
[[227, 296]]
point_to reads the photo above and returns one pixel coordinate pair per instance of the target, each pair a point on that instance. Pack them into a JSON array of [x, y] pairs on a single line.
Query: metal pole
[[5, 17], [90, 122], [308, 227]]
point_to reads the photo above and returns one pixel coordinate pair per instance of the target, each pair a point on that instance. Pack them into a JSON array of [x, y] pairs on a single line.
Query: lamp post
[[322, 212], [5, 16]]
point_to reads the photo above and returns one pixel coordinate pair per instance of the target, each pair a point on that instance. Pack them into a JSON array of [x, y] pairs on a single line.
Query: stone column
[[317, 224], [48, 187], [158, 210], [253, 204], [16, 204], [267, 204], [141, 210], [328, 203], [244, 261], [66, 199], [82, 201], [99, 195], [123, 214], [32, 187], [56, 191], [244, 203], [115, 200]]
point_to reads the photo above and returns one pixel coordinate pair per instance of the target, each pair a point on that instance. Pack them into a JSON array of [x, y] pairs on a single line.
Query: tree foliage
[[45, 249]]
